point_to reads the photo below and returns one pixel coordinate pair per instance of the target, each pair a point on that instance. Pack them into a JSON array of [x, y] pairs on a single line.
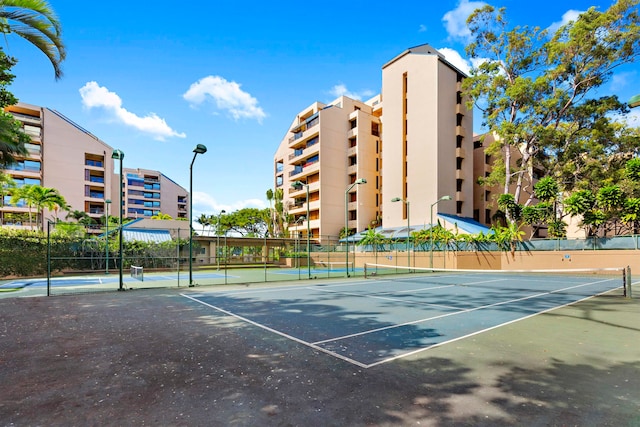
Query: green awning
[[634, 101]]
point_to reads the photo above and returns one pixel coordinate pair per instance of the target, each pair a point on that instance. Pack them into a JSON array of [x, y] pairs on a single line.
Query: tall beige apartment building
[[64, 156], [413, 142], [427, 135], [327, 149]]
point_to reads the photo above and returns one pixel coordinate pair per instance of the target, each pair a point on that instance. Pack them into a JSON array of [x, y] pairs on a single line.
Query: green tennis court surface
[[369, 322]]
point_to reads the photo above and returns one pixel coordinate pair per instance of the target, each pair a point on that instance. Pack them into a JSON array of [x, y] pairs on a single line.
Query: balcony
[[461, 152], [33, 120], [460, 131], [303, 131], [459, 174]]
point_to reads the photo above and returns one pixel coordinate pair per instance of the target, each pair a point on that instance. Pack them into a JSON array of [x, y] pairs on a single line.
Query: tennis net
[[586, 281], [137, 273], [334, 265]]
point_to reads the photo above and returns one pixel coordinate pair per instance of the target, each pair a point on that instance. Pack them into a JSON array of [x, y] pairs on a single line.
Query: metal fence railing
[[89, 259]]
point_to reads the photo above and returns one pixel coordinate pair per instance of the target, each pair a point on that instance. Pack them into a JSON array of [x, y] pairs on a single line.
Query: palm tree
[[204, 220], [375, 239], [81, 217], [36, 22], [36, 196]]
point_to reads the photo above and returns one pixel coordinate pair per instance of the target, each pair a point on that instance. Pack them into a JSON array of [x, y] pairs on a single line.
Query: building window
[[459, 207], [353, 124], [487, 216], [458, 163], [476, 214], [487, 195], [375, 129], [458, 185]]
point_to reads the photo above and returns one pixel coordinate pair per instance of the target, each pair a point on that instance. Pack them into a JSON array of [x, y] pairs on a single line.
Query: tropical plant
[[161, 215], [507, 238], [375, 239], [38, 197], [81, 217], [36, 22]]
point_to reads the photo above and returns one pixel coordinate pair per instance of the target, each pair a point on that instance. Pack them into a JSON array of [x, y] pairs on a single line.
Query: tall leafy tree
[[12, 139], [535, 89], [36, 22]]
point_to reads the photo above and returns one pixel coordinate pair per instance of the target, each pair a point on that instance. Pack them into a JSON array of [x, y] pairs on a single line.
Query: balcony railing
[[96, 163]]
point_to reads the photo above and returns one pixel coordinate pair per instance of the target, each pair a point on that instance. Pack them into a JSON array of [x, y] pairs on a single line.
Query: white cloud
[[456, 20], [568, 16], [227, 96], [96, 96], [341, 90], [422, 28], [456, 59]]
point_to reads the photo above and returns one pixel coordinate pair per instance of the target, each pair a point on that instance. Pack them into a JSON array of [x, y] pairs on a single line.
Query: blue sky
[[154, 78]]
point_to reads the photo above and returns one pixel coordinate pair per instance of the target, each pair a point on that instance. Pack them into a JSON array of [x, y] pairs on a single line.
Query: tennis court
[[401, 312], [100, 282]]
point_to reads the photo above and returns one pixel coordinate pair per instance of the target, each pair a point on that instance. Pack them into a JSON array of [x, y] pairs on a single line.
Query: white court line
[[282, 334], [483, 330], [389, 298], [316, 345], [467, 310]]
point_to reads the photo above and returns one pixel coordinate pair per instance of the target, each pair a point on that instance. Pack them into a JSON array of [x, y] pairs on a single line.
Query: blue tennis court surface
[[369, 322]]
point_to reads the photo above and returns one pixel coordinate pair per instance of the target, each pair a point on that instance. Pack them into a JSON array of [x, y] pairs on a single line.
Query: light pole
[[297, 242], [218, 239], [431, 228], [399, 199], [297, 185], [119, 155], [200, 149], [106, 235], [346, 217]]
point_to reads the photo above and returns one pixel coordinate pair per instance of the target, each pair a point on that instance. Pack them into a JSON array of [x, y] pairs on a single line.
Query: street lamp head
[[117, 154], [107, 201], [360, 181], [200, 149], [223, 211], [297, 184], [447, 197]]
